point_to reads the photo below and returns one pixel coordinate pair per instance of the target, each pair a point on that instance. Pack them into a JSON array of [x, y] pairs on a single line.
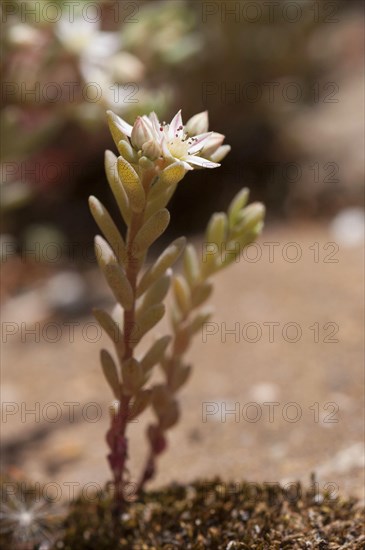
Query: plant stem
[[149, 469], [116, 435], [178, 349]]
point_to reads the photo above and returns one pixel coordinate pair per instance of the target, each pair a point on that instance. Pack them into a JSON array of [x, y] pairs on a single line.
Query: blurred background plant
[[60, 77]]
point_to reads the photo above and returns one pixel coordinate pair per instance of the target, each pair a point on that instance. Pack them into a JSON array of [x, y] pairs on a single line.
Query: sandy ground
[[292, 372]]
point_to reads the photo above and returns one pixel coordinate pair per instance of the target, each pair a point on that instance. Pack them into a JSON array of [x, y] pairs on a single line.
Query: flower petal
[[155, 122], [148, 121], [199, 142], [199, 161], [166, 153], [176, 128], [154, 126], [186, 165]]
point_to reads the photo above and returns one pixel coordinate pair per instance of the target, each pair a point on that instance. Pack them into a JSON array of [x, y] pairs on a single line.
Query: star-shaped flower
[[174, 142]]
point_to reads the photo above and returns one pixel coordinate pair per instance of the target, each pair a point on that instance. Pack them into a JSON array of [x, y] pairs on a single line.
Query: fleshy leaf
[[108, 228], [156, 293], [110, 372], [151, 230], [132, 185], [116, 186], [108, 324], [118, 127], [166, 259], [114, 273], [140, 403], [191, 266], [155, 353], [147, 321], [179, 377], [182, 294], [159, 201], [173, 174], [238, 202], [201, 294], [217, 229], [199, 320], [132, 375], [126, 151]]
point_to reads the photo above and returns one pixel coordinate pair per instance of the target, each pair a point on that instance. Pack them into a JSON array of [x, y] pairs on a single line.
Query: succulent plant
[[153, 158]]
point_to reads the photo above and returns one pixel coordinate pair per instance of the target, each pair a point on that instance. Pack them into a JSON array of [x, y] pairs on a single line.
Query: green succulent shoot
[[153, 158]]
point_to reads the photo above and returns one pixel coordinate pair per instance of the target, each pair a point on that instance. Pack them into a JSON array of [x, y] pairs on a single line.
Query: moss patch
[[206, 514], [220, 516]]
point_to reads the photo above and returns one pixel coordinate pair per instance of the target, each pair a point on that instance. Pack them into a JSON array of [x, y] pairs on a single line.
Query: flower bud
[[151, 149], [140, 133], [197, 124], [145, 163], [213, 144], [220, 153]]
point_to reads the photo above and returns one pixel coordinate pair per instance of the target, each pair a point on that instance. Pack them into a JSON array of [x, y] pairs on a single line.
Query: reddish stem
[[116, 438]]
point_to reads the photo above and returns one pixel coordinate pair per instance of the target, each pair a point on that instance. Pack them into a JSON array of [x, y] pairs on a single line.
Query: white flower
[[22, 34], [175, 143], [95, 49], [80, 36]]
